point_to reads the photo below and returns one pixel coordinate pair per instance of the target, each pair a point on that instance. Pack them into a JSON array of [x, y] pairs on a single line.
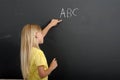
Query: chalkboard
[[86, 43]]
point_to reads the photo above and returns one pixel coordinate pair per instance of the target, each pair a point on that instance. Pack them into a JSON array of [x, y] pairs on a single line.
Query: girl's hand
[[53, 64], [54, 22]]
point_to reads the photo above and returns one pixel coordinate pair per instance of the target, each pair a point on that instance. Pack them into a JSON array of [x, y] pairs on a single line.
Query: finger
[[59, 20], [54, 59]]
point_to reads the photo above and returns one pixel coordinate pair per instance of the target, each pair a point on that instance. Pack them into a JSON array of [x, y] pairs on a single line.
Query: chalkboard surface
[[86, 43]]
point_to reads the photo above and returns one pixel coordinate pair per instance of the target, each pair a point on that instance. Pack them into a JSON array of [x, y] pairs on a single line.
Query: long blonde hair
[[28, 40]]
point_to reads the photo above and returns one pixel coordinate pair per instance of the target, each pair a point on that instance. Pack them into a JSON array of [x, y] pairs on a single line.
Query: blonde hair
[[28, 40]]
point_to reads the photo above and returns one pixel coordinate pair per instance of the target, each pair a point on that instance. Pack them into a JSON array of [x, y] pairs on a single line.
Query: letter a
[[62, 13]]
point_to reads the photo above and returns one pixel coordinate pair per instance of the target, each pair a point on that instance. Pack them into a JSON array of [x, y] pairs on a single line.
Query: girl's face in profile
[[39, 37]]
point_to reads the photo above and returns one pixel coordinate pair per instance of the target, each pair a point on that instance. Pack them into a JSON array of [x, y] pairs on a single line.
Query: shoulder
[[37, 51]]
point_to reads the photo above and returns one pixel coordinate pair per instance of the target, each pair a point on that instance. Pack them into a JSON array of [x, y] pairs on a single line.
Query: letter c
[[73, 12]]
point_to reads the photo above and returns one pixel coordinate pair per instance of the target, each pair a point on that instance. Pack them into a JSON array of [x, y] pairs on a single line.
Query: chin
[[41, 42]]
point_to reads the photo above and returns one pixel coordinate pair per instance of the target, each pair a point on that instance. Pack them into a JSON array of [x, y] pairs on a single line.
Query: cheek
[[40, 38], [39, 35]]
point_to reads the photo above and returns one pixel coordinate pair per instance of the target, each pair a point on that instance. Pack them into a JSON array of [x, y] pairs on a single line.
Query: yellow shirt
[[37, 59]]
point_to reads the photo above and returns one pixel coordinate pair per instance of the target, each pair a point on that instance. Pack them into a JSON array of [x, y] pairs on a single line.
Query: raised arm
[[53, 23]]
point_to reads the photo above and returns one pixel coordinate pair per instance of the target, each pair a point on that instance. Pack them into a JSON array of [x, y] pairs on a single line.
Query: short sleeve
[[39, 59]]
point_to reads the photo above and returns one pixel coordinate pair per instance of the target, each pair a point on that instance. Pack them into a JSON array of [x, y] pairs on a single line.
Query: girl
[[33, 61]]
